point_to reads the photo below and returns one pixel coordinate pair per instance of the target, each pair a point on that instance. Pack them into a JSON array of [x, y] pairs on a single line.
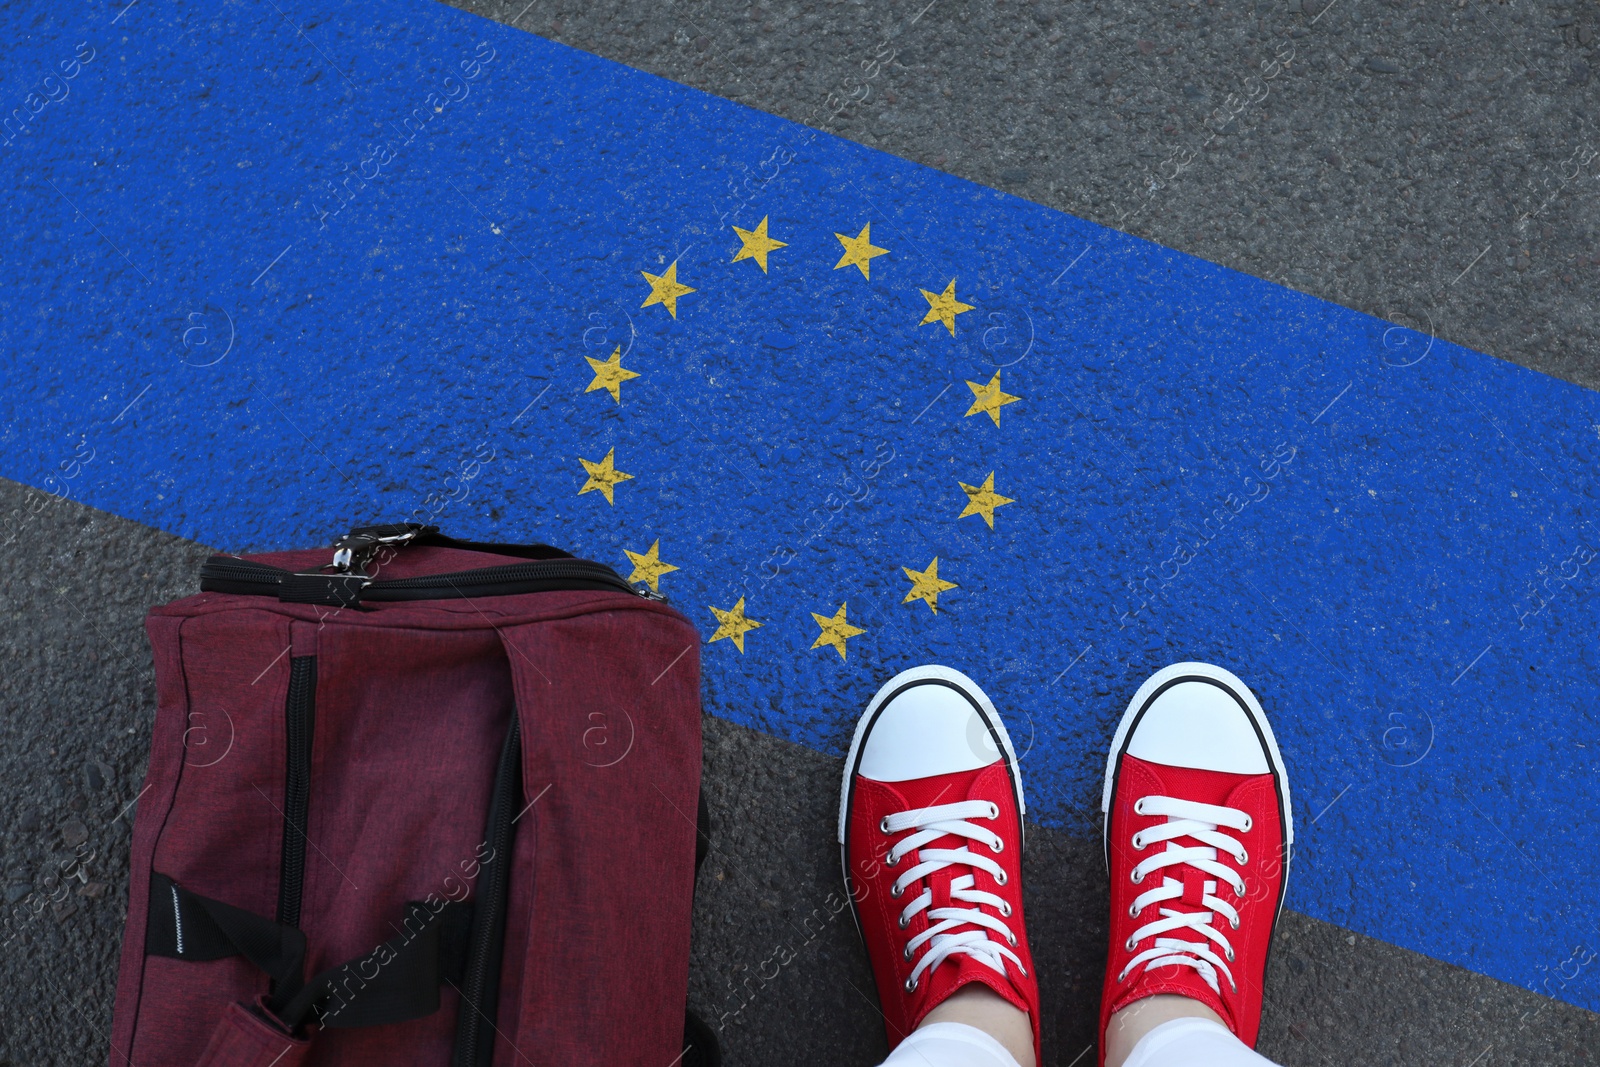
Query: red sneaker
[[1196, 795], [930, 830]]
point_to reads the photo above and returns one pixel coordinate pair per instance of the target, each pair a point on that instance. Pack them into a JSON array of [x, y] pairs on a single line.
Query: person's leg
[[959, 1044], [1189, 1041], [1198, 834], [981, 1007], [1172, 1031], [930, 832]]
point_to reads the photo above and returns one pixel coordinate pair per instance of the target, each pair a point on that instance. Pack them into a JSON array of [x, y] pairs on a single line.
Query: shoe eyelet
[[1244, 856], [911, 985], [1235, 923], [906, 955], [1023, 969], [1138, 842], [1005, 910], [1133, 911], [1013, 939], [891, 859], [895, 891], [1138, 806], [1130, 943], [1000, 879], [883, 824], [994, 810], [1230, 955], [1248, 822], [1136, 877], [905, 921], [999, 846]]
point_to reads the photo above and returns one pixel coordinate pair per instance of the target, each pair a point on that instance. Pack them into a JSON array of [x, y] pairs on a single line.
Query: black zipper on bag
[[299, 723], [224, 574], [480, 986], [489, 581]]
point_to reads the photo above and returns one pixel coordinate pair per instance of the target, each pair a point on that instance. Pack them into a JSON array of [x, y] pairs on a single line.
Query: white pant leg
[[949, 1045], [1193, 1043]]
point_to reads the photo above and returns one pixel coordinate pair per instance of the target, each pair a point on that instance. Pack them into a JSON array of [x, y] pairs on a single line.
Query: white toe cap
[[927, 729], [1202, 725]]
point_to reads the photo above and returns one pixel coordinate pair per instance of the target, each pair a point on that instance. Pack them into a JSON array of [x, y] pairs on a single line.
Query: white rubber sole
[[931, 672], [1241, 692]]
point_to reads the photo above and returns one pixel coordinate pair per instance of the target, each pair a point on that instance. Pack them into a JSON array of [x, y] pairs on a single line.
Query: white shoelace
[[941, 938], [1202, 823]]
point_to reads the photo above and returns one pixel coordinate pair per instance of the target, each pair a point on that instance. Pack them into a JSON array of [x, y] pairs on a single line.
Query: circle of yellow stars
[[757, 245]]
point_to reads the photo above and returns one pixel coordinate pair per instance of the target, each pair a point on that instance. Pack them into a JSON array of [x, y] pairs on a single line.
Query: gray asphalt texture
[[1429, 163]]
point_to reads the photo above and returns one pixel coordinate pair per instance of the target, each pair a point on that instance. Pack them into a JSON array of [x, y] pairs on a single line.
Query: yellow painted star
[[944, 307], [648, 566], [835, 631], [859, 251], [927, 585], [757, 244], [982, 500], [988, 399], [610, 374], [733, 623], [665, 289], [603, 476]]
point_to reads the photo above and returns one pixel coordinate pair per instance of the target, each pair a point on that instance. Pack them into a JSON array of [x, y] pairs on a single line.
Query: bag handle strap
[[397, 981], [187, 926]]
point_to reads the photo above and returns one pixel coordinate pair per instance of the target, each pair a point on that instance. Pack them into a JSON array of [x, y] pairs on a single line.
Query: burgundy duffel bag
[[420, 801]]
